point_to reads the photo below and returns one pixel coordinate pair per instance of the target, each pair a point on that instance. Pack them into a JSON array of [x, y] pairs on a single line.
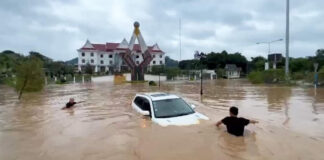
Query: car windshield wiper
[[176, 115]]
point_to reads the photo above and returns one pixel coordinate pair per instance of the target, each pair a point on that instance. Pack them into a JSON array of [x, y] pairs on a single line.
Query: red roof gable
[[113, 46]]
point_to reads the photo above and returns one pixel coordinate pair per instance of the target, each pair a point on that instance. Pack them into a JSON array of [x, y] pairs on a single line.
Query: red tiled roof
[[113, 46]]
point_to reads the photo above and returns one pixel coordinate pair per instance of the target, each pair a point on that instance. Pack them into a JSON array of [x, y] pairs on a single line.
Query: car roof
[[155, 96]]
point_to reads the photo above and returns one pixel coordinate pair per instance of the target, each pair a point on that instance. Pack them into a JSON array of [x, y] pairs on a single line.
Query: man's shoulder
[[242, 118], [227, 117]]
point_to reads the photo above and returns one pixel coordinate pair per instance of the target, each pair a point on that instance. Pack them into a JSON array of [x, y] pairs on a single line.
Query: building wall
[[157, 58], [108, 59]]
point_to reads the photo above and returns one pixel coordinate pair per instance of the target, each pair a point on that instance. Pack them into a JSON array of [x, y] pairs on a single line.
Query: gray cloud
[[58, 28]]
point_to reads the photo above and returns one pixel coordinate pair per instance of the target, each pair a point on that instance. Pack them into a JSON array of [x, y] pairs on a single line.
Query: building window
[[83, 61], [91, 54], [101, 62], [137, 56], [153, 62], [92, 61], [101, 55], [161, 62], [160, 56], [153, 56], [82, 54], [110, 56], [110, 62]]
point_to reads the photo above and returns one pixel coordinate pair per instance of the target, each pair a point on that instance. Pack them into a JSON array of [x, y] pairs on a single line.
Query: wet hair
[[234, 110]]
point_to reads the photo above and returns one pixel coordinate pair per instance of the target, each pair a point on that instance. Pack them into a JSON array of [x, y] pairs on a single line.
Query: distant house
[[232, 71]]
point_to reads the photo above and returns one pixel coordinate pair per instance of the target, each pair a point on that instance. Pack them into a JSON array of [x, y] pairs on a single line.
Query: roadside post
[[316, 75], [159, 80]]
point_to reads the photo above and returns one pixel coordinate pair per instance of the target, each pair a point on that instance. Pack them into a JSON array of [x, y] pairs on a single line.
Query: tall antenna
[[180, 36]]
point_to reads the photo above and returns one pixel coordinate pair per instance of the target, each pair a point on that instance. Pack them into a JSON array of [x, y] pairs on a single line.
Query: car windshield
[[171, 108]]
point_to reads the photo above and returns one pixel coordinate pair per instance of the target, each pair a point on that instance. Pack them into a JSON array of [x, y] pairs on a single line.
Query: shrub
[[269, 76], [255, 77], [152, 83]]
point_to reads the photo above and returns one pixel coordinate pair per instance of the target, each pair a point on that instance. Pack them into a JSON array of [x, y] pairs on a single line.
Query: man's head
[[71, 100], [233, 111]]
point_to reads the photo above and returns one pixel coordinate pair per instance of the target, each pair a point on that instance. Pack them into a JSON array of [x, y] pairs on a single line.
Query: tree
[[172, 72], [320, 53], [30, 76], [156, 70], [300, 65], [257, 63], [88, 69]]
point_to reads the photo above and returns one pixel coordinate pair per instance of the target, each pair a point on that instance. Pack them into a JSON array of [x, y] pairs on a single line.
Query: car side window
[[142, 103], [138, 101], [146, 105]]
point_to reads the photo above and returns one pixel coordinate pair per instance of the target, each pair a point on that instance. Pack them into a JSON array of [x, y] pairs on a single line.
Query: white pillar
[[73, 79], [96, 68], [82, 78], [195, 77], [266, 66], [55, 79], [211, 76]]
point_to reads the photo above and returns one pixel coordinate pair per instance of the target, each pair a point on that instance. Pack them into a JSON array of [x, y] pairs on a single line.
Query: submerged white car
[[166, 109]]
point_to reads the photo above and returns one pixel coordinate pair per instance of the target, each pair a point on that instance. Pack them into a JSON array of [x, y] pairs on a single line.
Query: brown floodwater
[[106, 127]]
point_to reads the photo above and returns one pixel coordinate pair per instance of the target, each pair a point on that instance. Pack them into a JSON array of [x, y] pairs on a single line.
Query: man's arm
[[219, 123], [253, 121], [80, 102]]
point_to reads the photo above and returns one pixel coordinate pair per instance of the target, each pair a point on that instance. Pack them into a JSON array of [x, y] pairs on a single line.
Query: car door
[[142, 105]]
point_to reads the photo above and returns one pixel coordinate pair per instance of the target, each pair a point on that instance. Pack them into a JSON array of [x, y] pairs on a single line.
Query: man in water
[[235, 125], [70, 104]]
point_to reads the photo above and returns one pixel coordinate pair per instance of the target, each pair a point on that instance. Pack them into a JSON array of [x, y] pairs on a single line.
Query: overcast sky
[[58, 28]]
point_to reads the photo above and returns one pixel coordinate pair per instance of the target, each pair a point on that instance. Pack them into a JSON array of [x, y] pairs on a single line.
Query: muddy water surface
[[106, 127]]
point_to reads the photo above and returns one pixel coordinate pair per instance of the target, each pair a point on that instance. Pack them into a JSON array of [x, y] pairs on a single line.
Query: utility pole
[[201, 81], [180, 38], [287, 41]]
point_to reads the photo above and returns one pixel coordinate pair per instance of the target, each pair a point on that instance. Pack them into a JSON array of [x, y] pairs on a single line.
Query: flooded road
[[106, 127]]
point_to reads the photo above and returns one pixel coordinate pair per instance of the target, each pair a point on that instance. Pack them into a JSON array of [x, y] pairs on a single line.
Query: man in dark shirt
[[70, 104], [235, 125]]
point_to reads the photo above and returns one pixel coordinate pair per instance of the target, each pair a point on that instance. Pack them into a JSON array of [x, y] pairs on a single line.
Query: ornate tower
[[137, 70]]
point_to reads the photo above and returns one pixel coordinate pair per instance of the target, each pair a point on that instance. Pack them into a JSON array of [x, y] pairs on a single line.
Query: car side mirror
[[144, 113], [193, 106]]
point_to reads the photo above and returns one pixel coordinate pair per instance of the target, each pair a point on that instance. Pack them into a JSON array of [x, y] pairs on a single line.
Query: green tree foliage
[[158, 69], [257, 63], [172, 72], [30, 76], [189, 64], [88, 69], [319, 58], [300, 65], [58, 69], [269, 76], [215, 61]]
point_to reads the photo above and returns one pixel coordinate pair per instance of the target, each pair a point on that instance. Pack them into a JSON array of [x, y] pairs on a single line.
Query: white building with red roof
[[105, 57]]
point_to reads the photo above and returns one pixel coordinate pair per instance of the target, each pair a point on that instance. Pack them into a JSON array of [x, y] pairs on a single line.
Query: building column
[[96, 68], [106, 69], [79, 67]]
